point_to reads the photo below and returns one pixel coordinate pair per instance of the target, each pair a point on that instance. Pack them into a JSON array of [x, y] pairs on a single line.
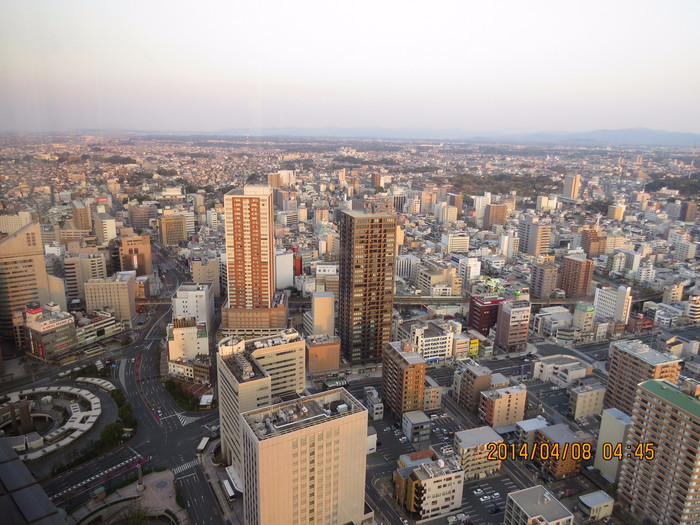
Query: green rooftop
[[673, 395]]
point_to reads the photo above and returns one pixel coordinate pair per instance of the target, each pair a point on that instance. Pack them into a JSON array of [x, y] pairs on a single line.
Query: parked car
[[483, 499]]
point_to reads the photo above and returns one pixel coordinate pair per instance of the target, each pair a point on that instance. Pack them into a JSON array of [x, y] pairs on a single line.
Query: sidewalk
[[232, 511], [157, 497]]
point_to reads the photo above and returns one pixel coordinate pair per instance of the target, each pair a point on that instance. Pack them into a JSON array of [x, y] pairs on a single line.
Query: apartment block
[[474, 380], [663, 489], [632, 362], [560, 466], [501, 407], [543, 280], [535, 506], [366, 296], [586, 401], [512, 325], [473, 448], [431, 489], [576, 276], [614, 425], [403, 378]]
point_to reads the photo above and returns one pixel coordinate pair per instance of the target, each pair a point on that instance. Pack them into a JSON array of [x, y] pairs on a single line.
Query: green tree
[[112, 433]]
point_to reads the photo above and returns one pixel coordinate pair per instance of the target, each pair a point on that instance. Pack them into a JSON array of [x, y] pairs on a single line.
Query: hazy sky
[[486, 66]]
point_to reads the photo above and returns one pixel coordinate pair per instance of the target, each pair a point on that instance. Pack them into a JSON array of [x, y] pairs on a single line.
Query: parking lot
[[484, 501]]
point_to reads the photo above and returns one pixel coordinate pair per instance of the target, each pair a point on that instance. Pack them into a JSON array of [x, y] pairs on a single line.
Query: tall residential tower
[[367, 247]]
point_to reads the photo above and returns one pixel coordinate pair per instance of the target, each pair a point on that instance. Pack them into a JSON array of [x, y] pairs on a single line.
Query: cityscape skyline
[[506, 68]]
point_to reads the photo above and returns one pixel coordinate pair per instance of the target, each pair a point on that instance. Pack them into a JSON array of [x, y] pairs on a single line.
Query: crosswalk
[[184, 467], [186, 420]]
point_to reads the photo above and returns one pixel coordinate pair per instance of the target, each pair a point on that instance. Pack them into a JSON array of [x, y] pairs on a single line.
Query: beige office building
[[664, 489], [80, 268], [473, 381], [81, 216], [322, 353], [321, 318], [503, 406], [572, 186], [187, 339], [305, 460], [243, 385], [632, 362], [282, 355], [614, 425], [23, 277], [535, 506], [403, 378], [135, 253], [172, 228], [206, 271], [115, 294], [586, 401], [512, 325], [105, 228], [473, 448]]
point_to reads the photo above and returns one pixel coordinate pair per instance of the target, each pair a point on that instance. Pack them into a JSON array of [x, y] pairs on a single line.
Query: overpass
[[155, 301]]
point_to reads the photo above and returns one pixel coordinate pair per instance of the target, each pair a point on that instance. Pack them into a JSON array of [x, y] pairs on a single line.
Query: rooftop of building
[[361, 214], [562, 434], [674, 395], [288, 335], [410, 357], [194, 287], [497, 393], [593, 499], [244, 367], [276, 420], [321, 339], [619, 415], [530, 425], [538, 501], [413, 459], [416, 417], [478, 370], [437, 469], [498, 379], [587, 388], [645, 352], [22, 499], [560, 360], [476, 436]]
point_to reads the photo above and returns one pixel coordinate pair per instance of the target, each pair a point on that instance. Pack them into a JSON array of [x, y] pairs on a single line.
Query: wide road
[[166, 436]]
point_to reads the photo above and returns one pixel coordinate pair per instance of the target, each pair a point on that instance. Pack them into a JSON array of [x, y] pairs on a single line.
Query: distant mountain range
[[600, 137]]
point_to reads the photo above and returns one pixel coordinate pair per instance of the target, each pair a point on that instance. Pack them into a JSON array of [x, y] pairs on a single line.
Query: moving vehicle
[[229, 490], [202, 445]]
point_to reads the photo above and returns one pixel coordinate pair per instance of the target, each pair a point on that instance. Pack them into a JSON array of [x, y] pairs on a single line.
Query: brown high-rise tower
[[576, 275], [366, 288]]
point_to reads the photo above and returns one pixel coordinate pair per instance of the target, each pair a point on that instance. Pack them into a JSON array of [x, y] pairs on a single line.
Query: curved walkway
[[79, 422]]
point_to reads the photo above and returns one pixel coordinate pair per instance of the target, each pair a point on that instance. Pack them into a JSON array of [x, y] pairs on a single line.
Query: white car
[[482, 499], [478, 491], [495, 495]]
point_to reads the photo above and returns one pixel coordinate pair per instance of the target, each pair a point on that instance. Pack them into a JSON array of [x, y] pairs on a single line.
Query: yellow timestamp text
[[539, 451], [643, 451]]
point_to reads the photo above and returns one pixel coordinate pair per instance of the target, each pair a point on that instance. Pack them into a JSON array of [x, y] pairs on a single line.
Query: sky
[[492, 66]]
